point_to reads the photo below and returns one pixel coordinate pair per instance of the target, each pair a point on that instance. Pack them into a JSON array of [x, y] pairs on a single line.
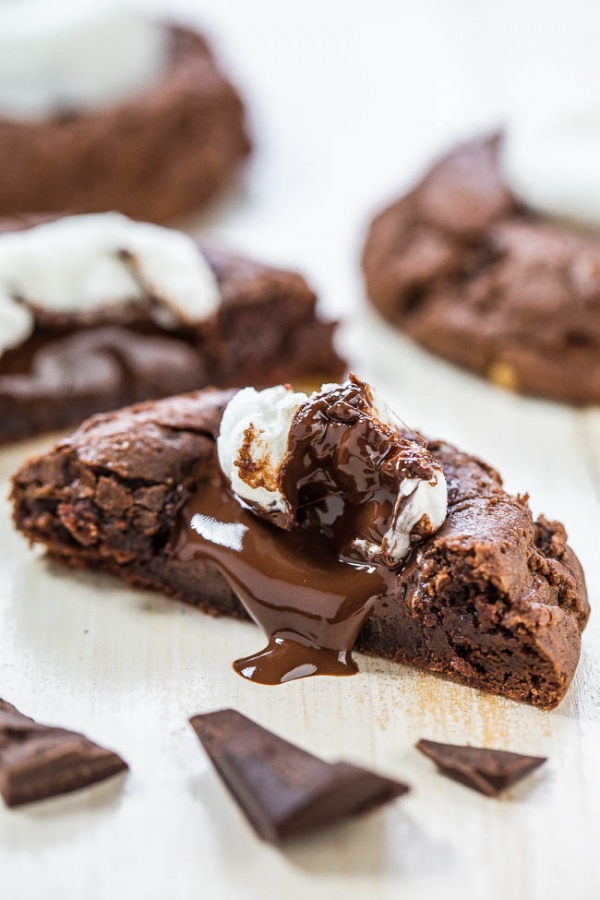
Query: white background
[[349, 100]]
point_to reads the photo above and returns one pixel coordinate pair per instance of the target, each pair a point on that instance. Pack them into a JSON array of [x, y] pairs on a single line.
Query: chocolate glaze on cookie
[[305, 576], [463, 268], [310, 602]]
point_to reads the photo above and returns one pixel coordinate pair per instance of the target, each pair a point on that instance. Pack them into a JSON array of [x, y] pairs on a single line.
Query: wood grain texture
[[342, 123]]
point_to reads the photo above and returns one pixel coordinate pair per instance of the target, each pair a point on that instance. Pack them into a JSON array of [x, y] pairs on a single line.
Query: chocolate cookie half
[[99, 312], [492, 599], [472, 274], [155, 156]]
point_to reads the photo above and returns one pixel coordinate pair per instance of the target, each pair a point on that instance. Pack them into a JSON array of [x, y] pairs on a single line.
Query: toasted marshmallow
[[75, 55], [254, 448], [253, 442], [81, 264], [553, 166]]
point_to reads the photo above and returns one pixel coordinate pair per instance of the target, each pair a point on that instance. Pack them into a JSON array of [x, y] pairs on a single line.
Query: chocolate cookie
[[263, 330], [157, 156], [471, 274], [494, 599]]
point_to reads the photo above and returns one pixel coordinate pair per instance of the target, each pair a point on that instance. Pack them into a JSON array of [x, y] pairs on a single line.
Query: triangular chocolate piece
[[488, 771], [283, 790], [39, 761]]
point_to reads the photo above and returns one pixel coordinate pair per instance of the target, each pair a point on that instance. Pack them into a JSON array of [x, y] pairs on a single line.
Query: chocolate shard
[[282, 790], [488, 771], [39, 761]]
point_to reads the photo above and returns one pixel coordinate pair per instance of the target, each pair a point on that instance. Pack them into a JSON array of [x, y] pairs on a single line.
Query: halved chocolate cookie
[[492, 599]]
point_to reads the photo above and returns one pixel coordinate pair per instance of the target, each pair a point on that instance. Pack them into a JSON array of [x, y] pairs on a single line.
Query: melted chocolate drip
[[310, 602], [303, 577]]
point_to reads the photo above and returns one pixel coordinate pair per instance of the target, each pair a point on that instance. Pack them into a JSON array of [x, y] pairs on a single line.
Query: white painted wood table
[[349, 99]]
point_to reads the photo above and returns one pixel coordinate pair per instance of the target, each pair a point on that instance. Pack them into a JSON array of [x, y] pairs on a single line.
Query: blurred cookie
[[99, 311], [473, 274], [102, 108]]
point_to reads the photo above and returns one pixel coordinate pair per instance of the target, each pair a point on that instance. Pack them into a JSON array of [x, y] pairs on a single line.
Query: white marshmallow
[[60, 55], [553, 166], [16, 323], [381, 411], [257, 424], [416, 499], [74, 265]]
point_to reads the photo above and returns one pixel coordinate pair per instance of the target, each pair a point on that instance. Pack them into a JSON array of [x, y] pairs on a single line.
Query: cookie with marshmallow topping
[[495, 599], [284, 452], [82, 266], [103, 106], [98, 310]]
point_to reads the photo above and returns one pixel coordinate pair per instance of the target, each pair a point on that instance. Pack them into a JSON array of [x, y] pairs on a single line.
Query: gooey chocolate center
[[307, 581]]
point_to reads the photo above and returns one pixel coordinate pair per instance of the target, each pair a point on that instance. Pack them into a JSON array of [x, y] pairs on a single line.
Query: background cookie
[[471, 274], [111, 311], [155, 155]]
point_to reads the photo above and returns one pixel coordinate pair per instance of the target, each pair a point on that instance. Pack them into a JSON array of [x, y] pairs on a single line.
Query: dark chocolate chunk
[[283, 790], [488, 771], [39, 761]]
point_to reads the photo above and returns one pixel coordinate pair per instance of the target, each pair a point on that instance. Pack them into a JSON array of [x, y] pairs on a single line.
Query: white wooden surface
[[349, 99]]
